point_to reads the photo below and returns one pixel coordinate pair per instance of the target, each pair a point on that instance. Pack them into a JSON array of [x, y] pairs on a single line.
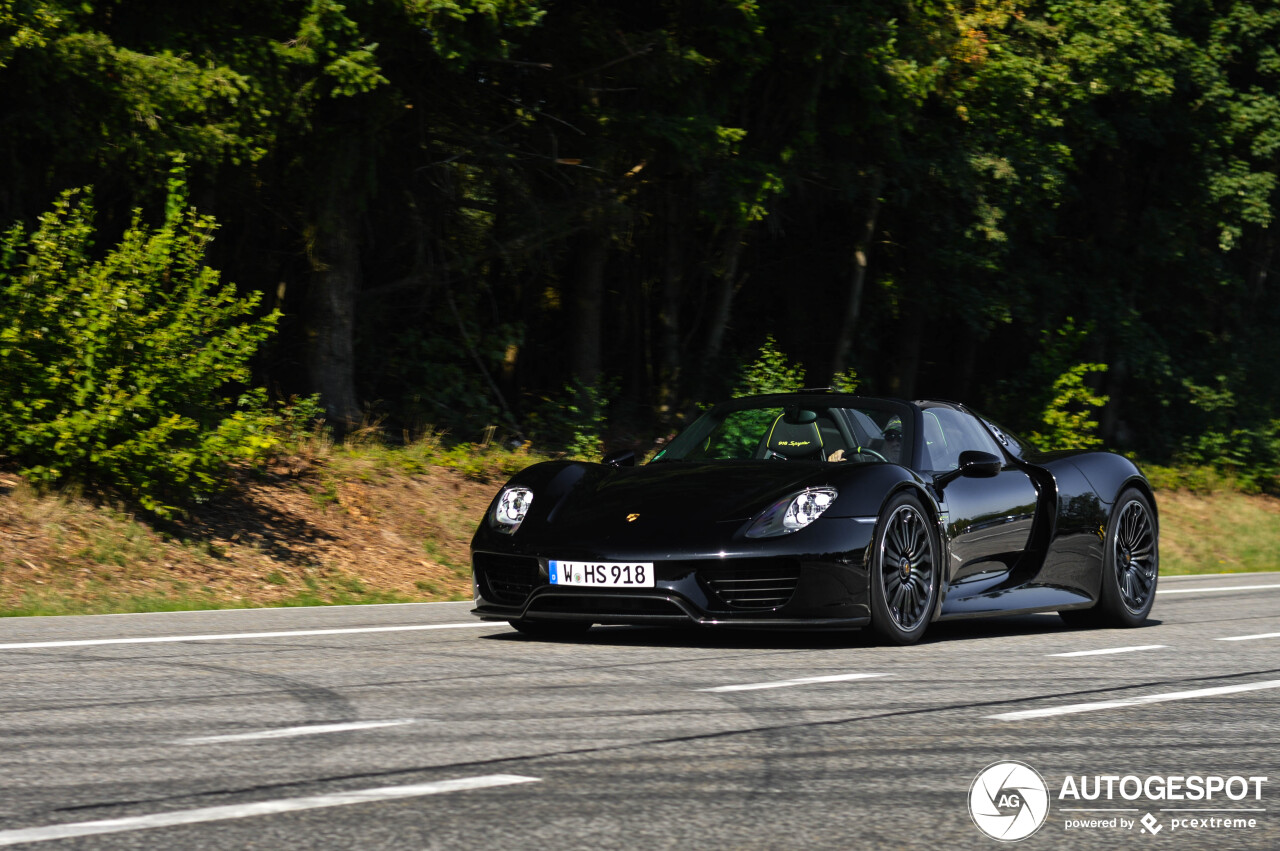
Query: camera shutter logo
[[1008, 801]]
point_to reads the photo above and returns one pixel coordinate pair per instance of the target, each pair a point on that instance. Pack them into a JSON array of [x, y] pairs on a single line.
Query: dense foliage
[[463, 207], [115, 369]]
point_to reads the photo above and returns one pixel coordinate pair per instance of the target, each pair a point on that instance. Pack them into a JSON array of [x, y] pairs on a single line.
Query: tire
[[1130, 563], [552, 630], [1128, 586], [905, 571]]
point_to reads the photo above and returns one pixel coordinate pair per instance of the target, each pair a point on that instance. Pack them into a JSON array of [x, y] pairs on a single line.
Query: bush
[[1240, 443], [1066, 421], [1200, 479], [770, 372], [574, 424], [116, 370]]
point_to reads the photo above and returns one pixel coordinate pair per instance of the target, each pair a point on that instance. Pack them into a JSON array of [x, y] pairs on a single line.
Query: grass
[[1220, 532], [364, 522], [53, 602], [325, 523]]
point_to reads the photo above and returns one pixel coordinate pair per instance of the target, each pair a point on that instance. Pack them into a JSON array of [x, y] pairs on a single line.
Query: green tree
[[770, 372], [461, 206], [119, 370], [1067, 421]]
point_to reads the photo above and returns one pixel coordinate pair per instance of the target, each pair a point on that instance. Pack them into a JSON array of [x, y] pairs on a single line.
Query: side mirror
[[973, 465], [619, 458], [979, 465]]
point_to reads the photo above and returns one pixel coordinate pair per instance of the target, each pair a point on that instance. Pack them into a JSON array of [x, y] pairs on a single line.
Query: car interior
[[796, 436]]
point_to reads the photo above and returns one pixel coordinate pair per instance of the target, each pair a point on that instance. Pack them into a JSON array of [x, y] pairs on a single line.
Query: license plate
[[602, 574]]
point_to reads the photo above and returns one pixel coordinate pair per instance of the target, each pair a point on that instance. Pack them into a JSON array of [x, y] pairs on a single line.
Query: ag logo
[[1008, 801]]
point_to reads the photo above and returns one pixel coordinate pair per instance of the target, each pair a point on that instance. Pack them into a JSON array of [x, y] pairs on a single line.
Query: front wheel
[[905, 571]]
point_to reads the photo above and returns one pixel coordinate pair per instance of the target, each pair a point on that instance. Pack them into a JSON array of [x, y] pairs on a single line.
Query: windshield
[[1016, 446], [831, 429]]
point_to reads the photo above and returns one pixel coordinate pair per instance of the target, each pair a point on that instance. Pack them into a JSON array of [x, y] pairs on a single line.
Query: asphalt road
[[411, 726]]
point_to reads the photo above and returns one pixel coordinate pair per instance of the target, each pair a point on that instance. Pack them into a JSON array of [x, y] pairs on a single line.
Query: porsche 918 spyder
[[820, 510]]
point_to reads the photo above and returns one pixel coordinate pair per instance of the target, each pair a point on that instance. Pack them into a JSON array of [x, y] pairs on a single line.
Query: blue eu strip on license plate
[[601, 574]]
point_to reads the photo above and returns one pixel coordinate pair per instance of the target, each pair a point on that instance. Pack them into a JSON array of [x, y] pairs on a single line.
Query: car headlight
[[792, 513], [510, 509]]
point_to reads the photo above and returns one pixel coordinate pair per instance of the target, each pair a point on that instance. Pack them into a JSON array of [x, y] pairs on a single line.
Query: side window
[[939, 446], [949, 432], [975, 436]]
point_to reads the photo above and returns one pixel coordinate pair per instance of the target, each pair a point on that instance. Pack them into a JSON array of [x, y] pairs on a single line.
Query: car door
[[988, 520]]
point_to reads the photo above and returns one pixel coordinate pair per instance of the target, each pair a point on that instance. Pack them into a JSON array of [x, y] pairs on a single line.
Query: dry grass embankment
[[1221, 532], [343, 525], [384, 525]]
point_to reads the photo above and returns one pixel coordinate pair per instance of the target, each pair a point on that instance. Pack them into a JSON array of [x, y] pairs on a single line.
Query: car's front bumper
[[777, 586]]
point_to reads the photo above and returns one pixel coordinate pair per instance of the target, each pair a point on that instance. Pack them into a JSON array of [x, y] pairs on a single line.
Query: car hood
[[583, 510], [677, 490], [593, 500]]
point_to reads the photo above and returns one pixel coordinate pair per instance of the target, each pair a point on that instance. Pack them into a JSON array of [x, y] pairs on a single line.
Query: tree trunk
[[858, 279], [964, 363], [1260, 266], [906, 353], [334, 255], [669, 354], [1111, 427], [731, 246], [588, 308]]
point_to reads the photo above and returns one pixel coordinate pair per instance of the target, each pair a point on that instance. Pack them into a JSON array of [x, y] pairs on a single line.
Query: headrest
[[796, 440]]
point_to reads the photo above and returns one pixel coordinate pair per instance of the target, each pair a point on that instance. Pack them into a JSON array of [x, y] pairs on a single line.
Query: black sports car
[[821, 510]]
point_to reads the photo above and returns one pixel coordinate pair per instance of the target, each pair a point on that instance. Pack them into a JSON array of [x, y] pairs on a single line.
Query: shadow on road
[[748, 639]]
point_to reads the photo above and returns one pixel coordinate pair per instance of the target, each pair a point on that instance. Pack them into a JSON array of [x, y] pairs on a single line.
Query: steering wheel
[[862, 450]]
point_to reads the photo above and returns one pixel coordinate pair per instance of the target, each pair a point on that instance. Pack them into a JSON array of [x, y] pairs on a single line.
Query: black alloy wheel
[[904, 571], [1135, 557], [1130, 567], [1131, 562]]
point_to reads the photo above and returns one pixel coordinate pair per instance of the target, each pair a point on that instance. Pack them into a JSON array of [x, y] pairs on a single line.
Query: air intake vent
[[602, 607], [767, 585], [505, 579]]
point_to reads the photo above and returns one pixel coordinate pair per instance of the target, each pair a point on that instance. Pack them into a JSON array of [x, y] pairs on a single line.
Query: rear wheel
[[1131, 562], [904, 571], [552, 630]]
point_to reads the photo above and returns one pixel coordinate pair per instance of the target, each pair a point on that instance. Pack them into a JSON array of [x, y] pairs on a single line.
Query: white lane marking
[[231, 636], [262, 808], [1250, 637], [290, 732], [834, 678], [1110, 650], [1207, 590], [330, 608], [1134, 701]]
